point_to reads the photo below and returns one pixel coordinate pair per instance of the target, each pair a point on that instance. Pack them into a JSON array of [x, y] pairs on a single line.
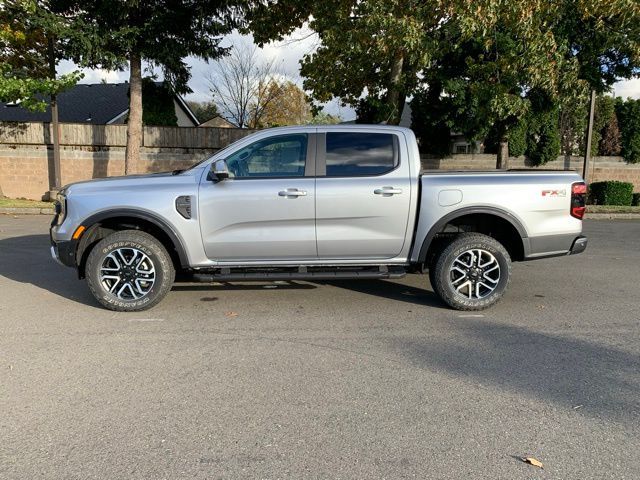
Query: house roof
[[218, 122], [84, 103], [95, 103]]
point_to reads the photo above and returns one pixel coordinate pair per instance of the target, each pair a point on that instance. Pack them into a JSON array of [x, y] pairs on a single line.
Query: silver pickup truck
[[315, 203]]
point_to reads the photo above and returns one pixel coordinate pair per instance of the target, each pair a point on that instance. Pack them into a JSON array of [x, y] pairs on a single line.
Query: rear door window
[[350, 154]]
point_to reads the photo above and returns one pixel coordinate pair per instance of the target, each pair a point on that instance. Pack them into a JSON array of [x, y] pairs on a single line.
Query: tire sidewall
[[150, 247], [457, 247]]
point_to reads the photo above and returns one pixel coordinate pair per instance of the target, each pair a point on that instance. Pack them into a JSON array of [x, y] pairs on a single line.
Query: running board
[[299, 273]]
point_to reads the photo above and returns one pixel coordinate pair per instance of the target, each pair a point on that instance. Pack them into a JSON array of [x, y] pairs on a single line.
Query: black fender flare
[[156, 220], [439, 225]]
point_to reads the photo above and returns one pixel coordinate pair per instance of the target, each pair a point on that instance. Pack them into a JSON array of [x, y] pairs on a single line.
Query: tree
[[240, 86], [628, 113], [536, 135], [288, 105], [162, 32], [610, 142], [431, 120], [543, 132], [29, 52], [604, 112], [30, 48], [573, 125], [323, 118], [385, 50], [204, 111], [377, 47], [158, 104]]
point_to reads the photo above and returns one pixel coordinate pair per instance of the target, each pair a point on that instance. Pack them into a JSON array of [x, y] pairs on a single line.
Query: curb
[[26, 211], [612, 216]]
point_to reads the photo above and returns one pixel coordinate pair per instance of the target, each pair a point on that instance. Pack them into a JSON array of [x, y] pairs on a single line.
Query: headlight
[[60, 207]]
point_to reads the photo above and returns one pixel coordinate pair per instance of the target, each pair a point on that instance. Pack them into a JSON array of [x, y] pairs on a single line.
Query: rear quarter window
[[350, 154]]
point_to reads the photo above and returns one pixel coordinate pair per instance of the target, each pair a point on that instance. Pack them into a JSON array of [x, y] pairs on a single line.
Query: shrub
[[611, 192], [635, 202], [518, 139]]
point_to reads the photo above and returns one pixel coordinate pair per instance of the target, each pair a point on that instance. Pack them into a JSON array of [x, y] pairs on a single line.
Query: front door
[[266, 209], [363, 195]]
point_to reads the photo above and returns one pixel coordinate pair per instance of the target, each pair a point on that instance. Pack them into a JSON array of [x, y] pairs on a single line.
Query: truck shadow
[[27, 259], [390, 289], [585, 377]]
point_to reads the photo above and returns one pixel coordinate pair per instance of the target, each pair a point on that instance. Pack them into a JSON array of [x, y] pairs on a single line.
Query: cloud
[[628, 88], [96, 75]]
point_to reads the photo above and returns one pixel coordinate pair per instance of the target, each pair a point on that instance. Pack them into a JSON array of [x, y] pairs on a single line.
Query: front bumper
[[64, 252]]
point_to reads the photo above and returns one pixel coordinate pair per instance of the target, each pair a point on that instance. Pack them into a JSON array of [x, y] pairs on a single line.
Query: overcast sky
[[286, 54]]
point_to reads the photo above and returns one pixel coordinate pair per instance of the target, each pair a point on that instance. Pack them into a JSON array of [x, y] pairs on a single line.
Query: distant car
[[325, 202]]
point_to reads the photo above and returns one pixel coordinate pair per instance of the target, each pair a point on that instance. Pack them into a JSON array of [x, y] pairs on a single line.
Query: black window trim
[[321, 155], [310, 161]]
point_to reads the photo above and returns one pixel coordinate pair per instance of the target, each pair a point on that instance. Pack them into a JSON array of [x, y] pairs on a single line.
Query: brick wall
[[25, 170]]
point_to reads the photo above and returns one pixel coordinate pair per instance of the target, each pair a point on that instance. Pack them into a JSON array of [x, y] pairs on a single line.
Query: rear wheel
[[129, 271], [472, 272]]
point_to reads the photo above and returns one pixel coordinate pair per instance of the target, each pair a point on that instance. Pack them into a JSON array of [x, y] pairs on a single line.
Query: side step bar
[[301, 273]]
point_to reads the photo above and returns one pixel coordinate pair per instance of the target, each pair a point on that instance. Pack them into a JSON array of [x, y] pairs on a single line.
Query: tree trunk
[[134, 127], [395, 96], [56, 181], [502, 162]]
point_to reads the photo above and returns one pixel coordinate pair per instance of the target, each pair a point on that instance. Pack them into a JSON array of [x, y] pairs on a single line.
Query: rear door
[[363, 194]]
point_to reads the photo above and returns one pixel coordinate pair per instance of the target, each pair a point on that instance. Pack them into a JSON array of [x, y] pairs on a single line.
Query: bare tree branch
[[239, 85]]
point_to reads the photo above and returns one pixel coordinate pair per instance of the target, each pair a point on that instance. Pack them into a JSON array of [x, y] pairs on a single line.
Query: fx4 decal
[[554, 193]]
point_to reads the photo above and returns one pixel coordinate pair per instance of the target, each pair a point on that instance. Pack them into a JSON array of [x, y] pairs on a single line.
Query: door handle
[[387, 191], [292, 192]]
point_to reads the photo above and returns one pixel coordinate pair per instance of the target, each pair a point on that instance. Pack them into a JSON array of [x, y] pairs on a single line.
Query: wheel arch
[[99, 225], [510, 230]]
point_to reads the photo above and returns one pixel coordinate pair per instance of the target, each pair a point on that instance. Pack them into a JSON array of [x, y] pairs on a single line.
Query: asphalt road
[[370, 379]]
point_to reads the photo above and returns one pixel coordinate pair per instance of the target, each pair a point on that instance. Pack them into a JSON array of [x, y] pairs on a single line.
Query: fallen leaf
[[231, 314], [532, 461]]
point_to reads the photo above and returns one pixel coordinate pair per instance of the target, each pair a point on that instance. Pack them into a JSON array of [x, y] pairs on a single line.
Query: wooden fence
[[78, 134]]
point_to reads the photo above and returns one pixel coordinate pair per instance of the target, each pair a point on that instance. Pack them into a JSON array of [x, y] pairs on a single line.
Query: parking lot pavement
[[369, 379]]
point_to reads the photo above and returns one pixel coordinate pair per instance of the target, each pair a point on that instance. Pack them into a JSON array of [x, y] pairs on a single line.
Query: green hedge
[[611, 192], [636, 200]]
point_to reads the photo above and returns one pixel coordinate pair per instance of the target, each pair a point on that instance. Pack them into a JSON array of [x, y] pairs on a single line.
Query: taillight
[[578, 200]]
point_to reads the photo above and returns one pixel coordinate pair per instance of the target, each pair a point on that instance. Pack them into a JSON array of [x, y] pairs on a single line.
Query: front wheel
[[472, 272], [129, 271]]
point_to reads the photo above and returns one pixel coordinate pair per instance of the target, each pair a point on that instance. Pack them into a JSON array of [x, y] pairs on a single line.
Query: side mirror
[[220, 170]]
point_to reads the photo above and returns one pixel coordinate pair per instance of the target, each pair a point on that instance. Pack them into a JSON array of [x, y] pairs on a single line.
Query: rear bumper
[[579, 245], [555, 246]]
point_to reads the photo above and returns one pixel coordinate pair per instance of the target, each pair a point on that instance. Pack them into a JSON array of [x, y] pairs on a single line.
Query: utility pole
[[55, 126], [587, 152]]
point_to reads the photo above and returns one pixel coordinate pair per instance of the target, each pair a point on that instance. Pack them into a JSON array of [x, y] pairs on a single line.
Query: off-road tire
[[441, 276], [143, 242]]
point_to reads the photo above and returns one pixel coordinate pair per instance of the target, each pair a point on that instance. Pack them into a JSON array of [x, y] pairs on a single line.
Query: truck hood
[[128, 181]]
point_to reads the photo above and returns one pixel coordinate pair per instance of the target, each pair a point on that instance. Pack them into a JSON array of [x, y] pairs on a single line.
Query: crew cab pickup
[[315, 203]]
